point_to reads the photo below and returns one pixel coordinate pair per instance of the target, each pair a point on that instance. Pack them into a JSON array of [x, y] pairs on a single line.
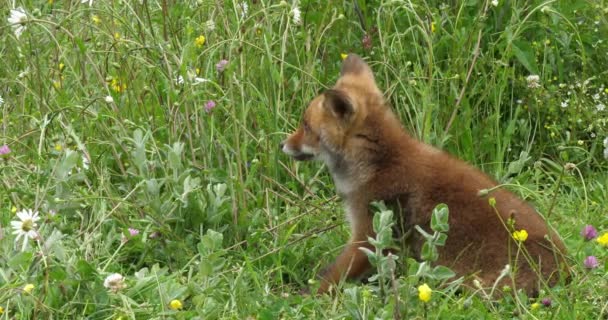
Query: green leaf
[[525, 55], [442, 273], [439, 218]]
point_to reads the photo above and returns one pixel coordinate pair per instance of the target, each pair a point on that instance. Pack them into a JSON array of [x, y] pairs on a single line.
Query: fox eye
[[306, 126]]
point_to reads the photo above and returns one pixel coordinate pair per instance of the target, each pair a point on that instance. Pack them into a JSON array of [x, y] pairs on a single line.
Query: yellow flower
[[424, 293], [520, 235], [343, 55], [535, 306], [95, 18], [28, 288], [61, 66], [200, 41], [13, 209], [433, 27], [116, 36], [603, 239], [175, 304], [117, 86], [57, 84], [1, 310], [58, 147]]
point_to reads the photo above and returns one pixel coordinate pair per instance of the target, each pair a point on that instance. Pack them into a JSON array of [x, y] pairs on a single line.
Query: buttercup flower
[[535, 306], [209, 106], [591, 262], [1, 311], [533, 81], [343, 56], [520, 235], [424, 293], [28, 288], [4, 149], [17, 19], [114, 282], [25, 227], [175, 304], [589, 232], [603, 239], [200, 41]]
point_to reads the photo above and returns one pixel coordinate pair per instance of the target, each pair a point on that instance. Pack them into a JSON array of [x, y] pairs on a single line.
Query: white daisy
[[89, 1], [25, 227], [297, 15], [533, 81], [114, 282], [17, 19]]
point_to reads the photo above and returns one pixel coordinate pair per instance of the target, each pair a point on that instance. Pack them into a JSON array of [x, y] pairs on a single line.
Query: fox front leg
[[352, 262]]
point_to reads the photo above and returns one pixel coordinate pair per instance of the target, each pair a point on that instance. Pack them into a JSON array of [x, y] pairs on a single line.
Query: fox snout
[[298, 151]]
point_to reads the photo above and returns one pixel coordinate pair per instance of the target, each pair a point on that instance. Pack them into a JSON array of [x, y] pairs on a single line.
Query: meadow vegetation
[[139, 152]]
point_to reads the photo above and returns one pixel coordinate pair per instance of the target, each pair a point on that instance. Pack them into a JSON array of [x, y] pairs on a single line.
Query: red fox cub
[[371, 158]]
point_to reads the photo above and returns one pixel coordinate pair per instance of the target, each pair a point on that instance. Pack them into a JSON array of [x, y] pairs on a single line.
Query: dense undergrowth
[[145, 135]]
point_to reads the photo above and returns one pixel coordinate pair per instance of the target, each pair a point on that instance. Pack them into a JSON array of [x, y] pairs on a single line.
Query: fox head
[[336, 124]]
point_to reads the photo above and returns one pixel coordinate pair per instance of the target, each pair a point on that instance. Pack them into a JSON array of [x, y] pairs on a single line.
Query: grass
[[228, 225]]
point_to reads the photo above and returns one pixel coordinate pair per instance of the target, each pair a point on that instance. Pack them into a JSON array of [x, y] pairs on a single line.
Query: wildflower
[[589, 232], [424, 293], [200, 41], [109, 99], [114, 282], [297, 15], [221, 65], [600, 107], [244, 9], [89, 1], [200, 80], [546, 302], [4, 149], [495, 3], [520, 235], [179, 80], [95, 18], [343, 56], [13, 209], [133, 232], [175, 304], [603, 239], [1, 101], [564, 104], [28, 288], [117, 86], [209, 106], [1, 311], [17, 19], [533, 81], [26, 226], [116, 36], [591, 262], [535, 306], [58, 147], [85, 162], [210, 25], [580, 142]]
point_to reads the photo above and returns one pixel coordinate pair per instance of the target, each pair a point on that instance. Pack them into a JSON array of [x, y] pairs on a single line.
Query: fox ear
[[353, 64], [338, 104]]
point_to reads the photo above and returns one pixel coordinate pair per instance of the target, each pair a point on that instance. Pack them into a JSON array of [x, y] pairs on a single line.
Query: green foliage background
[[228, 224]]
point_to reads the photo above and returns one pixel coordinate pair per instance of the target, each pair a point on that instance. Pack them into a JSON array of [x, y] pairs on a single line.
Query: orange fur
[[371, 158]]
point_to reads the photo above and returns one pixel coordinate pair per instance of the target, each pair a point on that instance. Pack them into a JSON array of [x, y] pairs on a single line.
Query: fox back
[[372, 158]]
